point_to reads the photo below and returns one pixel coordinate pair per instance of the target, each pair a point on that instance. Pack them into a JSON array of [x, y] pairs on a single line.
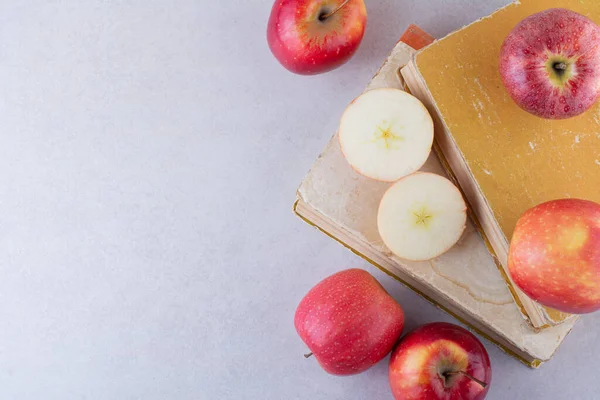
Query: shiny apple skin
[[305, 45], [423, 355], [554, 255], [532, 51]]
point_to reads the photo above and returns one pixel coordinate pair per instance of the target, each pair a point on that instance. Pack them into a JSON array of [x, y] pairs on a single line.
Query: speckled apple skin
[[554, 255], [552, 33], [306, 46], [349, 322], [420, 357]]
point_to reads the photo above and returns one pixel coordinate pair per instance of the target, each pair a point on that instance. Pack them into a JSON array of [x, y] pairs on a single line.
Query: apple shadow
[[417, 310]]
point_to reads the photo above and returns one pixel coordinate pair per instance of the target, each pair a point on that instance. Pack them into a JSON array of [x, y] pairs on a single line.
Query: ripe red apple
[[349, 322], [554, 255], [313, 36], [550, 63], [440, 361]]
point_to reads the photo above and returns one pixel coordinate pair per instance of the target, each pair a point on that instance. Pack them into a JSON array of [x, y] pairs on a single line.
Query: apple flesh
[[386, 134], [440, 361], [550, 63], [421, 216], [310, 37], [554, 255], [349, 322]]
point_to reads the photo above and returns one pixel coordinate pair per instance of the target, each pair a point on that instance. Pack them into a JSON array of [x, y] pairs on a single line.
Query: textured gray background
[[150, 151]]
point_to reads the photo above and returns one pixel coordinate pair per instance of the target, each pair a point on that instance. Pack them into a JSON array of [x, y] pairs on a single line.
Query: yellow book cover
[[505, 159]]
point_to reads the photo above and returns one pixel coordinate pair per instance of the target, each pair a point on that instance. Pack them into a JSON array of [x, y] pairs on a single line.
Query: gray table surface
[[149, 158]]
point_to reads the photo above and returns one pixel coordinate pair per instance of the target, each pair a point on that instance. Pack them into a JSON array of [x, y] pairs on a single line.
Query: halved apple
[[421, 216], [386, 134]]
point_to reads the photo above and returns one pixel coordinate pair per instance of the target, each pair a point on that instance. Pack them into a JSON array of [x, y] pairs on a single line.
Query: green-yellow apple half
[[554, 255]]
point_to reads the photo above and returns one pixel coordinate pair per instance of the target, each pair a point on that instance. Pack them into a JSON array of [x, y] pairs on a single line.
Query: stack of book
[[503, 159]]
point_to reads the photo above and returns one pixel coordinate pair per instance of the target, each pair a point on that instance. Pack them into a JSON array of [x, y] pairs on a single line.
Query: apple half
[[421, 216], [386, 134]]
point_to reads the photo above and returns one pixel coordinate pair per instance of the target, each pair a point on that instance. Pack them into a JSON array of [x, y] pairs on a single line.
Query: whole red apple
[[550, 63], [554, 255], [349, 322], [313, 36], [440, 361]]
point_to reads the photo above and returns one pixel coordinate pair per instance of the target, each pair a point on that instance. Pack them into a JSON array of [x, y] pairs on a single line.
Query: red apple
[[349, 322], [313, 36], [550, 63], [440, 361], [554, 255]]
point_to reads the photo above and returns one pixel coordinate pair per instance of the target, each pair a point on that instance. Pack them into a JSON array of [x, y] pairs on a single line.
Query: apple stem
[[471, 377], [561, 66], [329, 14], [307, 355]]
